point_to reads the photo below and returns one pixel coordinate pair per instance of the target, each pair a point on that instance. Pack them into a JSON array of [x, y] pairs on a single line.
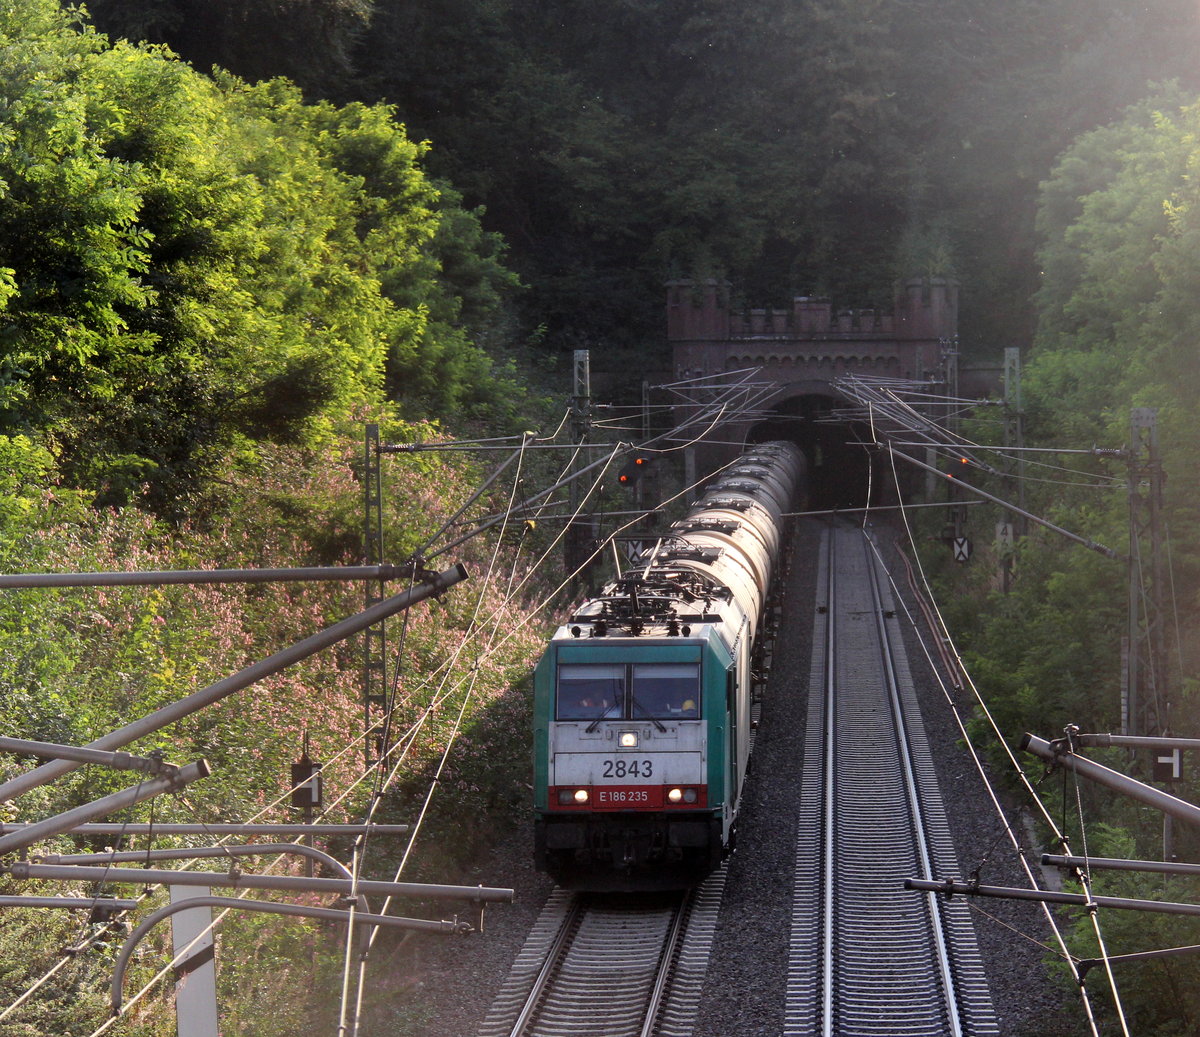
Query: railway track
[[866, 956], [610, 966]]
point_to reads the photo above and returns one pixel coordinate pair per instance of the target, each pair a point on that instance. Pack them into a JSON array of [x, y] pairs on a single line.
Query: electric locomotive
[[642, 699]]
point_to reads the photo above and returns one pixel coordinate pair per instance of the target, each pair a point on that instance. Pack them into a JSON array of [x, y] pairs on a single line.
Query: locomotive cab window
[[666, 691], [590, 692]]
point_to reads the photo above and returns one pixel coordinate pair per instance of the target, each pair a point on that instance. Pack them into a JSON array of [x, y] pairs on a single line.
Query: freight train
[[642, 698]]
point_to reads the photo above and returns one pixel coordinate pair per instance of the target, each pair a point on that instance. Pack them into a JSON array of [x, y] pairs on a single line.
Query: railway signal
[[959, 468], [306, 782], [634, 469]]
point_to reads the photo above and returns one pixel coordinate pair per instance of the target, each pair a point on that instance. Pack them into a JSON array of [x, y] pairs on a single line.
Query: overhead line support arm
[[1060, 754], [198, 700], [1091, 545]]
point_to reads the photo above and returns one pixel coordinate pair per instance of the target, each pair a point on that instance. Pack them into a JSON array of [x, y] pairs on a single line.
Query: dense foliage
[[191, 265], [205, 287], [205, 274], [818, 147], [77, 663], [1117, 329]]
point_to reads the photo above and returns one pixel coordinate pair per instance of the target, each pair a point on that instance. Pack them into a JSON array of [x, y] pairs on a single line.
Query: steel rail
[[810, 941], [667, 967], [861, 961], [554, 956], [635, 945], [829, 801], [913, 797]]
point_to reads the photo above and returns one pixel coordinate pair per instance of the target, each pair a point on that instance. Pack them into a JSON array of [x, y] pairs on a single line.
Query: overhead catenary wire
[[714, 415], [496, 614], [1085, 880], [708, 419], [536, 609], [361, 845], [129, 1002], [66, 958], [72, 952], [431, 790], [943, 637], [1006, 451], [1092, 545], [889, 401], [442, 696]]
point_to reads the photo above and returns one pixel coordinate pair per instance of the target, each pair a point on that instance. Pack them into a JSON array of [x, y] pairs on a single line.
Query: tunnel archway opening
[[839, 468]]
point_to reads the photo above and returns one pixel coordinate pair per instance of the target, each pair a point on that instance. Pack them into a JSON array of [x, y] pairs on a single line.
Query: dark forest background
[[823, 147]]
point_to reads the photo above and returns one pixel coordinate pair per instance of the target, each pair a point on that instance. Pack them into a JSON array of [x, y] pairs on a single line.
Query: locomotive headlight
[[581, 795], [568, 796], [675, 795], [628, 739]]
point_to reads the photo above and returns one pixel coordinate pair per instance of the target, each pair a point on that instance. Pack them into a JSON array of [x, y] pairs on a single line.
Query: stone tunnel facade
[[811, 343], [802, 351]]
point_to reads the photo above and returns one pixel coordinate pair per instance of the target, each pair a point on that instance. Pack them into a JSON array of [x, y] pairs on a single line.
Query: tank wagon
[[642, 698]]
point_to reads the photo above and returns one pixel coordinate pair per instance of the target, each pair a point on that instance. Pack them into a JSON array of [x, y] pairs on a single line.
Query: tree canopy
[[1117, 328], [826, 147], [189, 264]]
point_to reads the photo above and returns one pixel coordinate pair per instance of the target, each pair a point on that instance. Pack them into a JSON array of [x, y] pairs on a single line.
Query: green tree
[[1117, 329], [192, 265], [825, 146]]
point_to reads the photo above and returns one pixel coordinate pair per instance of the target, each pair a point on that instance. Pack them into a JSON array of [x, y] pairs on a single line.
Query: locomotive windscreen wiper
[[645, 712]]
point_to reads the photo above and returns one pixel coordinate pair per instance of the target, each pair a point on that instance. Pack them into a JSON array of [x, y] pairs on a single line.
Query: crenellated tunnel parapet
[[811, 340], [802, 351]]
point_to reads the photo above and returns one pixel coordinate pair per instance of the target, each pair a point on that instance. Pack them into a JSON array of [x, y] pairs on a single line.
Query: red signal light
[[633, 470]]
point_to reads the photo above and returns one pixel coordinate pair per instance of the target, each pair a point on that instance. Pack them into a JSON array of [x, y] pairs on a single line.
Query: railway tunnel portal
[[797, 355]]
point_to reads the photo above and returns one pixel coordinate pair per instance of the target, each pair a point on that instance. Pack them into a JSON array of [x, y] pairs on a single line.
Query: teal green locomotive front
[[642, 700], [636, 767]]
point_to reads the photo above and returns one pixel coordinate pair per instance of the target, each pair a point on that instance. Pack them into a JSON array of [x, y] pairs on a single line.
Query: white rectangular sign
[[627, 767]]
